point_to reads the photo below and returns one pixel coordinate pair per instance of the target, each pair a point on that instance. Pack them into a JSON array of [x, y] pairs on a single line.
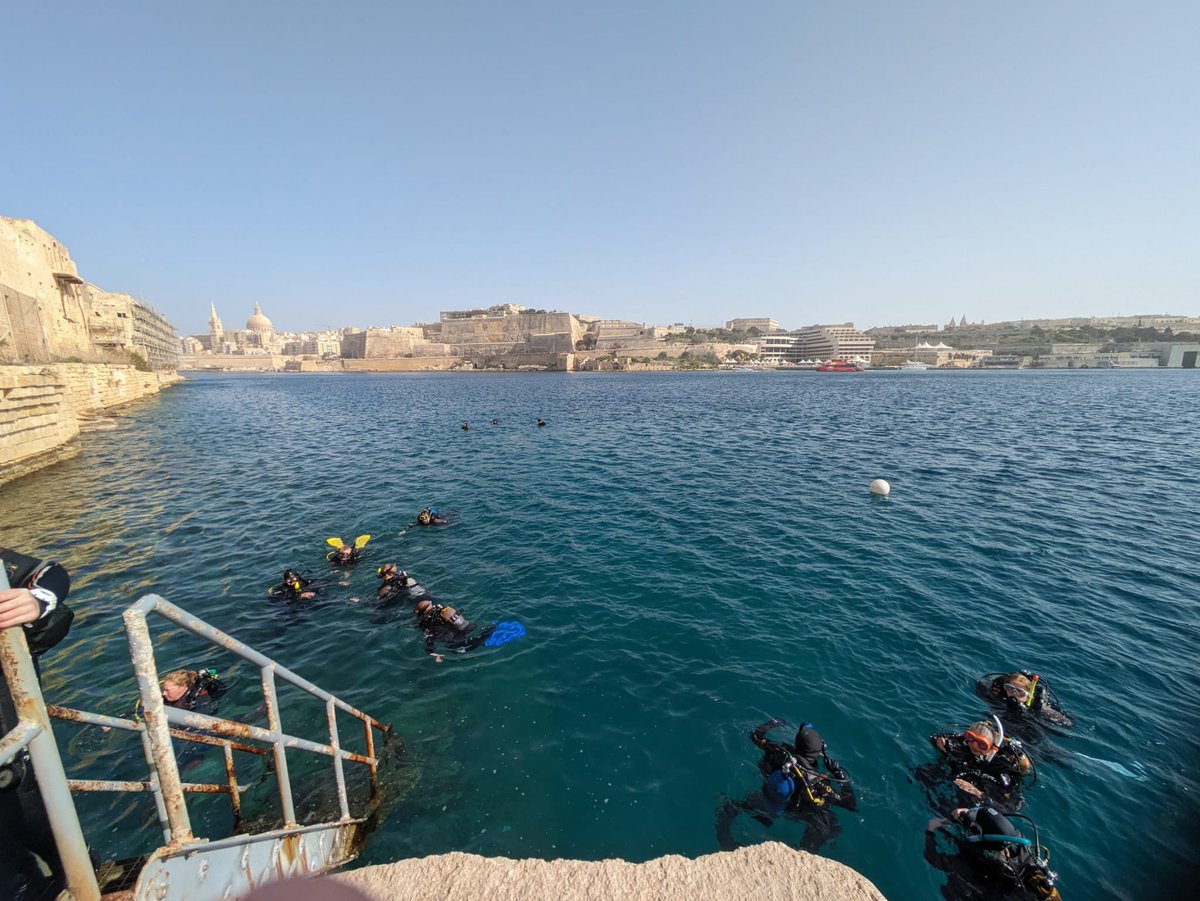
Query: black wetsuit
[[200, 698], [1044, 707], [353, 557], [999, 779], [446, 626], [293, 590], [983, 870], [398, 589], [811, 798], [25, 833]]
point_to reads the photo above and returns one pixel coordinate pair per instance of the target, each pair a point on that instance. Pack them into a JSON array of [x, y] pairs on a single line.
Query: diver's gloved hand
[[835, 769]]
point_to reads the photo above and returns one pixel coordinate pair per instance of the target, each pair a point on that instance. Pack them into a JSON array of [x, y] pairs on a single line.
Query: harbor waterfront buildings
[[764, 326], [50, 313]]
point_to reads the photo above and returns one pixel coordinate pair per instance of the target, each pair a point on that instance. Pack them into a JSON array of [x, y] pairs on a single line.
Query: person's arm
[[841, 789], [39, 605], [759, 735]]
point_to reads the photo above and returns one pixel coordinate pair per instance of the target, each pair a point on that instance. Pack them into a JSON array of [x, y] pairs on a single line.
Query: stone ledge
[[767, 871]]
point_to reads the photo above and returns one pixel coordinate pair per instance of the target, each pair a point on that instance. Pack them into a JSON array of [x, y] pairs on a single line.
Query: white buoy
[[881, 487]]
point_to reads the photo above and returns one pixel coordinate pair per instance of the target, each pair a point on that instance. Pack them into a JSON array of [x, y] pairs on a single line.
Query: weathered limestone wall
[[763, 872], [40, 408], [537, 332], [392, 342], [38, 425], [42, 313]]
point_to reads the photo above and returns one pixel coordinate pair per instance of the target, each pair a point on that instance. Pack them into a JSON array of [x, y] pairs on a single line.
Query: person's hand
[[18, 606], [938, 742], [968, 789], [437, 658]]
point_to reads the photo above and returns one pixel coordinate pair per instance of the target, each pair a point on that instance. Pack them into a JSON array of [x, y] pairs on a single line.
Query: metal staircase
[[187, 867]]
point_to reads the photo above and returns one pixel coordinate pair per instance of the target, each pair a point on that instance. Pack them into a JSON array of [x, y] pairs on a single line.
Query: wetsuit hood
[[809, 745]]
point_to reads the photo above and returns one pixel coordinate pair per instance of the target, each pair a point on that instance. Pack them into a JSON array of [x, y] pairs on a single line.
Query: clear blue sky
[[372, 163]]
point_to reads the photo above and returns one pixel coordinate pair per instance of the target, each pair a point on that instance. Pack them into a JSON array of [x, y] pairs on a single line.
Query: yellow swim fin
[[361, 541], [334, 542]]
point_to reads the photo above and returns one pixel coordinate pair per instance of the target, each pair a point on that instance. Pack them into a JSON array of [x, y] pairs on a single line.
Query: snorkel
[[1032, 691], [999, 741]]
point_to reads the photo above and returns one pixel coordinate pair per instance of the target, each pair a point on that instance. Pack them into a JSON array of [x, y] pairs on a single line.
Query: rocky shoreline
[[767, 871]]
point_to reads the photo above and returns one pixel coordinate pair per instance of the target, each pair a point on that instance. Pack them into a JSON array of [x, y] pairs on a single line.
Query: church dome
[[258, 322]]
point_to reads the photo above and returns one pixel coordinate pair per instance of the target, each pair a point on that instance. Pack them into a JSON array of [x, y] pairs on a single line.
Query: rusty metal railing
[[187, 865], [159, 719]]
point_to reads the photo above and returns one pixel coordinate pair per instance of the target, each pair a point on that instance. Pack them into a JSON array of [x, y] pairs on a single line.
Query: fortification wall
[[768, 871], [40, 408], [550, 332], [42, 314]]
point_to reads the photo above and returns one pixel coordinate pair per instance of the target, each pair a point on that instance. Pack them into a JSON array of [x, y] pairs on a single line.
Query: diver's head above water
[[981, 739], [809, 745]]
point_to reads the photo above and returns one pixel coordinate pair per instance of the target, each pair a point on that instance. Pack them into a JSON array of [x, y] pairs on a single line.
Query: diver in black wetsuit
[[294, 587], [346, 555], [429, 516], [192, 690], [445, 625], [794, 785], [396, 587], [988, 858], [984, 765], [1024, 696]]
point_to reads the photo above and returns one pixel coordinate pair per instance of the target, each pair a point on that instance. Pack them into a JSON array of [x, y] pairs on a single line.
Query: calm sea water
[[691, 554]]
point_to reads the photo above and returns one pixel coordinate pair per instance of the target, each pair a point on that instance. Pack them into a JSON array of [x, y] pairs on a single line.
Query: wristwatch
[[47, 598]]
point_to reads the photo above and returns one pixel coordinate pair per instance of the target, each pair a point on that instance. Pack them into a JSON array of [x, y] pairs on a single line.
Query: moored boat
[[839, 366]]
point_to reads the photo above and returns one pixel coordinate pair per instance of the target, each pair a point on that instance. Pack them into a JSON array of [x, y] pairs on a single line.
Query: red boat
[[839, 366]]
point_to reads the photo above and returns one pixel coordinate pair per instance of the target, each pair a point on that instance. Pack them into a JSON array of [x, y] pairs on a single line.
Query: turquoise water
[[691, 554]]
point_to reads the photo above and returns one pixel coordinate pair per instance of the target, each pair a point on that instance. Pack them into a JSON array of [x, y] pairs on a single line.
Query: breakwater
[[41, 408]]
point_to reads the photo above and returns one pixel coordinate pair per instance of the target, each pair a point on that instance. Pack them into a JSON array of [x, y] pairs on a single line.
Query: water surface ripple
[[691, 554]]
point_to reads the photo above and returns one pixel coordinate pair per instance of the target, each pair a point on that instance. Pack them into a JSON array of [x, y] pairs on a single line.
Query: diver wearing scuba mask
[[294, 587], [982, 762], [446, 626]]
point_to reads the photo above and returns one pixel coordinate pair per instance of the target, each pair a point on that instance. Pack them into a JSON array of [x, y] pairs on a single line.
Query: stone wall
[[42, 313], [538, 332], [40, 408], [38, 425]]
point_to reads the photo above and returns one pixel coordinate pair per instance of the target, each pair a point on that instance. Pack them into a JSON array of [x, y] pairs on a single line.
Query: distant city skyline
[[681, 162]]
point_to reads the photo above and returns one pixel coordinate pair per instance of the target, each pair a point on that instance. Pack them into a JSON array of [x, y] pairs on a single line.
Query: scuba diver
[[540, 422], [1024, 696], [466, 426], [989, 858], [430, 516], [794, 785], [192, 690], [446, 625], [983, 764], [294, 587], [396, 585], [346, 554]]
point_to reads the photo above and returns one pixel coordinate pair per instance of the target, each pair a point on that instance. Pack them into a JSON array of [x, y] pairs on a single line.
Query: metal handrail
[[168, 789], [33, 731]]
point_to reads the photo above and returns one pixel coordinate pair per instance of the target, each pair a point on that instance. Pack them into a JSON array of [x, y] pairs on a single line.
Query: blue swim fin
[[504, 633]]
